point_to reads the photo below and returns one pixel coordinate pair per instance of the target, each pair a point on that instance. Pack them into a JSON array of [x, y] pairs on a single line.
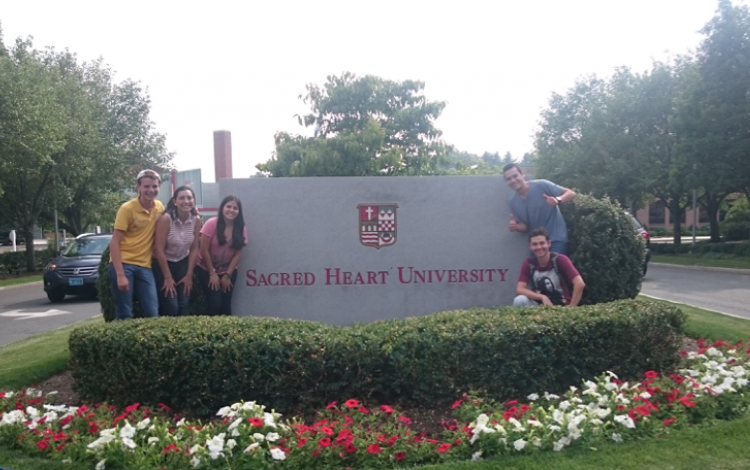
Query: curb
[[25, 284], [702, 268]]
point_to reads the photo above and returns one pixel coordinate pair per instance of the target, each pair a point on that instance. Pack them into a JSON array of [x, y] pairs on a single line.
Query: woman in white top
[[176, 250]]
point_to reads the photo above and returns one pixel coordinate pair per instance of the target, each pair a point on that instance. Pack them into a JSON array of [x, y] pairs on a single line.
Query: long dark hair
[[172, 207], [238, 239]]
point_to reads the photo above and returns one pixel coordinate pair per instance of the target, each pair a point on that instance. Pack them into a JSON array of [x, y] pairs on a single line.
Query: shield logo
[[377, 224], [76, 271]]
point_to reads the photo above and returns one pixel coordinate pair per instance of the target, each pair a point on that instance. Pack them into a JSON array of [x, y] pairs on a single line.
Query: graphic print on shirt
[[548, 283]]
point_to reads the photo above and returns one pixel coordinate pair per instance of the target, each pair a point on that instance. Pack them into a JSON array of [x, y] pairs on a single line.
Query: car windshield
[[89, 246], [635, 221]]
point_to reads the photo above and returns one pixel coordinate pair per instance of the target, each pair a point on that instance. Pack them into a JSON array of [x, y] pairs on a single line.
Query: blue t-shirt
[[535, 212]]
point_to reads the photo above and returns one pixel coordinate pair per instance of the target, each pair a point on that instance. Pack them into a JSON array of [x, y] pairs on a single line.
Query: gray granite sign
[[344, 250]]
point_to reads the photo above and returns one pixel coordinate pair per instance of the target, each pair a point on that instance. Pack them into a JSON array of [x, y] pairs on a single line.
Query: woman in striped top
[[176, 250]]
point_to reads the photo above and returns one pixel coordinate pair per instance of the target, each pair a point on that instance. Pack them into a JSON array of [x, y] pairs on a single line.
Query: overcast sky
[[240, 66]]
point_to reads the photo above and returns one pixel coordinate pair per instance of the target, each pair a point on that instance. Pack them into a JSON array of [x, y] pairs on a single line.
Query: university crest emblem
[[377, 224]]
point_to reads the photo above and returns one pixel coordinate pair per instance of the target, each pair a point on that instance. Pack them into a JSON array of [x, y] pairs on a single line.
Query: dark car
[[643, 233], [76, 270]]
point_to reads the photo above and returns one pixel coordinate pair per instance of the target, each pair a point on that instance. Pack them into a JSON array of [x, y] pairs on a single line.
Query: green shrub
[[201, 363], [15, 262], [605, 248], [107, 300], [703, 249], [736, 224]]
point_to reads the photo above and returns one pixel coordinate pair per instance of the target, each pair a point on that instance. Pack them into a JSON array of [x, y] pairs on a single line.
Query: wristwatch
[[559, 200]]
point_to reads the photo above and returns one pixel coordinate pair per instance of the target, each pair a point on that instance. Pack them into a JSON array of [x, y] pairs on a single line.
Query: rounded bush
[[107, 300], [605, 248]]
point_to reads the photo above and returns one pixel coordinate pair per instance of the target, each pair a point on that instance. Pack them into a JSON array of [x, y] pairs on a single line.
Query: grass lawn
[[33, 360], [25, 279], [710, 325], [722, 446], [690, 260]]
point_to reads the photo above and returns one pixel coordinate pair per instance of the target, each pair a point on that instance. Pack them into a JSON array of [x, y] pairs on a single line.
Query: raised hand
[[513, 224]]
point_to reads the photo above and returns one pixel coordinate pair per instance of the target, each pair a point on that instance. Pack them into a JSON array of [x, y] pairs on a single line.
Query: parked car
[[76, 269], [643, 233]]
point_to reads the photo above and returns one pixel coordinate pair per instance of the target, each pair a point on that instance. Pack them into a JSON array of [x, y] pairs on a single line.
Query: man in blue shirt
[[534, 205]]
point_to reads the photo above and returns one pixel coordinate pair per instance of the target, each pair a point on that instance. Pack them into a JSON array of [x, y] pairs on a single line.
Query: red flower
[[132, 407], [325, 442], [164, 407], [443, 448], [60, 447], [456, 404], [686, 401], [669, 421], [351, 403], [331, 405], [59, 436], [348, 420], [326, 430], [525, 408], [373, 449], [170, 448], [400, 455], [256, 422], [302, 442], [404, 420], [364, 410], [651, 374], [350, 448], [42, 444], [93, 427], [386, 409], [66, 420]]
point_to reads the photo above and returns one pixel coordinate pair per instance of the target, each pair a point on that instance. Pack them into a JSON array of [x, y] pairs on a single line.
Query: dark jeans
[[217, 302], [141, 285], [180, 304]]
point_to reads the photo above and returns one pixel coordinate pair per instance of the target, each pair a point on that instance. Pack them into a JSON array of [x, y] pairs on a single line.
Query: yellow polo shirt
[[139, 225]]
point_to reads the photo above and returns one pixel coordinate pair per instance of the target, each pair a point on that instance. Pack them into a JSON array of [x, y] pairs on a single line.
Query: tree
[[69, 137], [364, 126], [31, 131], [715, 112]]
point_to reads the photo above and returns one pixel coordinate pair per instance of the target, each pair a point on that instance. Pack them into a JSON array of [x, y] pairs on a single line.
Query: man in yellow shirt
[[131, 249]]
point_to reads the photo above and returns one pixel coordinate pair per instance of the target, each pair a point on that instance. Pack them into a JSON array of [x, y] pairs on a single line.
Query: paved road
[[26, 311], [727, 292]]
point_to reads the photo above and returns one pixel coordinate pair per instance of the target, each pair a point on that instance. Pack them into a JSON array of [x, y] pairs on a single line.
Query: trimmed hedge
[[198, 364], [605, 248], [107, 300], [15, 262]]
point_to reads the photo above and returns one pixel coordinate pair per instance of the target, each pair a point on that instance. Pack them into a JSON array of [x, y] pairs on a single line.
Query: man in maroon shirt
[[547, 278]]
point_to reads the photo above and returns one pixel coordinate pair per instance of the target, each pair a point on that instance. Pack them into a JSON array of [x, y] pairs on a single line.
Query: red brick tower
[[222, 154]]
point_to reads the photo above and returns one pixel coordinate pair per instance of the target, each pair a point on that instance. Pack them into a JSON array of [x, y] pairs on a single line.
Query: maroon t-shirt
[[546, 280]]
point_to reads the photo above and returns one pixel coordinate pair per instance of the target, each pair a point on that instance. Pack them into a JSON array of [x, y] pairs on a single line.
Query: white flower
[[535, 423], [611, 374], [533, 397], [645, 395], [143, 424], [259, 437], [153, 440], [127, 431], [616, 437], [58, 408], [12, 417], [32, 412], [231, 443], [560, 443], [99, 443], [272, 436], [554, 427], [574, 433], [224, 411], [100, 465], [234, 424], [551, 396], [234, 433], [564, 405], [476, 456], [268, 420], [482, 420], [129, 442], [180, 423], [215, 446], [590, 385], [249, 406], [625, 420], [277, 454], [252, 446], [536, 441], [194, 449], [195, 461], [519, 444]]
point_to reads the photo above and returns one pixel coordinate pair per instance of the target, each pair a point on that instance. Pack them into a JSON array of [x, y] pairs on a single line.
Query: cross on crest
[[377, 224]]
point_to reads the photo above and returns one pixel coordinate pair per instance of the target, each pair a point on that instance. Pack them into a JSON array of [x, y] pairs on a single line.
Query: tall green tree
[[31, 131], [363, 126], [69, 137], [714, 115]]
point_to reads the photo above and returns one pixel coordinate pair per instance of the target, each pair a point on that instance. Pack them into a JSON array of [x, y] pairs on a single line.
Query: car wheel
[[56, 296]]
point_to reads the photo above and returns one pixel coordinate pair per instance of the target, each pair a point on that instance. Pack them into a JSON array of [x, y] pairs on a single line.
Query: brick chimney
[[222, 154]]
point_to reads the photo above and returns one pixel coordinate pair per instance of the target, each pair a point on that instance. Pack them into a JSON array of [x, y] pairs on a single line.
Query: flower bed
[[712, 385]]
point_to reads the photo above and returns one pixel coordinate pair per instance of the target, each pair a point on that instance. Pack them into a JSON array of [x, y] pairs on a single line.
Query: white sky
[[241, 66]]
